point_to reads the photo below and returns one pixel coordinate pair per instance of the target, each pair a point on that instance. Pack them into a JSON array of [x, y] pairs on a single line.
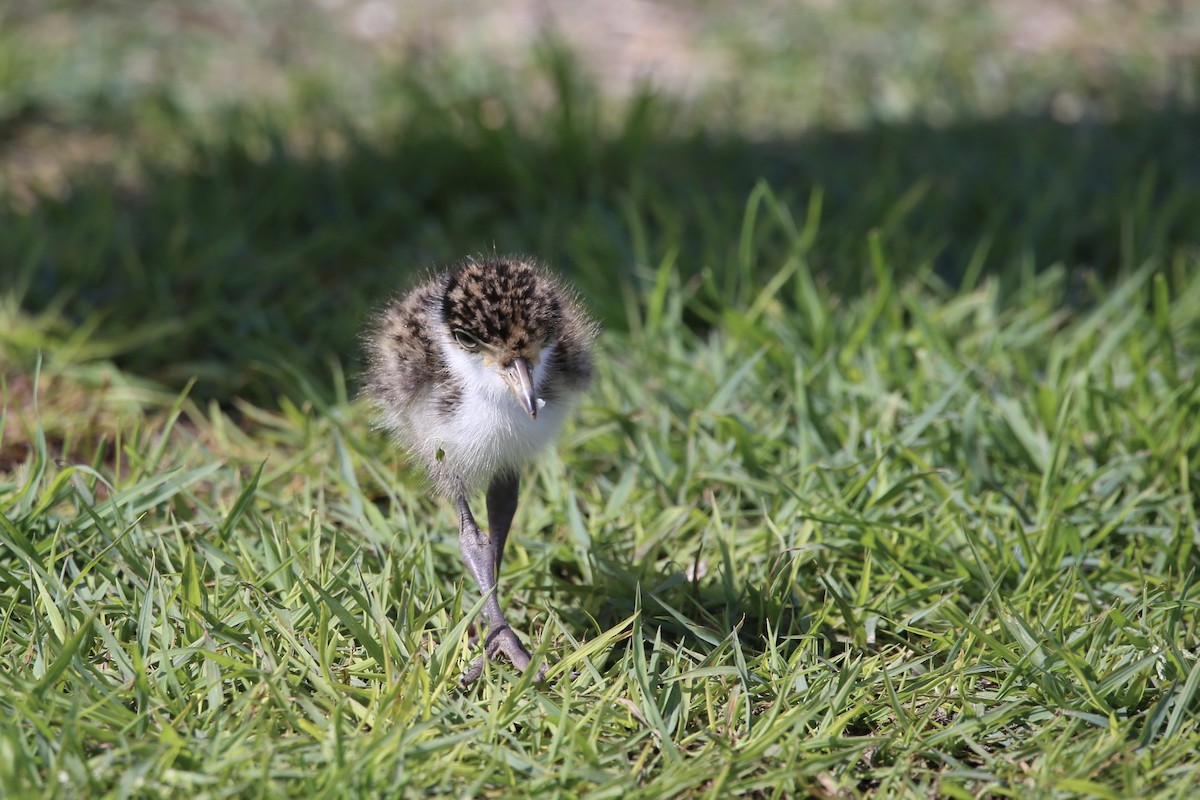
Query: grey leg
[[480, 558], [501, 508]]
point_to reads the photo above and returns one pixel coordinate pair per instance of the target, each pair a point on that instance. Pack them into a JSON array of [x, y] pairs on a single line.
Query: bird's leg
[[501, 508], [479, 556]]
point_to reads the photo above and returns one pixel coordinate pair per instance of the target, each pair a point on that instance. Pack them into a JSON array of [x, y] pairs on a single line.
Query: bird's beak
[[517, 376]]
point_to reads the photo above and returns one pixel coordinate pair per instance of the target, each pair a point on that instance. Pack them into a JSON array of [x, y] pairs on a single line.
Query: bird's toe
[[473, 672], [502, 640]]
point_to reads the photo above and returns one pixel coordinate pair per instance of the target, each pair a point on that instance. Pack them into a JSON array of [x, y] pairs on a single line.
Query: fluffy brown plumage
[[437, 358], [474, 371]]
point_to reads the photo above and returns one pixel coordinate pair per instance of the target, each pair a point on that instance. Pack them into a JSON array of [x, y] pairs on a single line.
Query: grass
[[886, 486]]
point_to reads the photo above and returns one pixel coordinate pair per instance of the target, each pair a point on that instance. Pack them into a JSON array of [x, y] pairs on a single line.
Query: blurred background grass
[[215, 189]]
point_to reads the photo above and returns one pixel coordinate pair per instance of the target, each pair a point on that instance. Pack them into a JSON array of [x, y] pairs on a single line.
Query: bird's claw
[[501, 640]]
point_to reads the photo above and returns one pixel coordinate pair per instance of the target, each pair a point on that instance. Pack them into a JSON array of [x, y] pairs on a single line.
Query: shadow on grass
[[257, 264]]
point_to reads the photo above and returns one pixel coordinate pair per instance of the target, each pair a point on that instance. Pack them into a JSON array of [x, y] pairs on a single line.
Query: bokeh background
[[212, 188]]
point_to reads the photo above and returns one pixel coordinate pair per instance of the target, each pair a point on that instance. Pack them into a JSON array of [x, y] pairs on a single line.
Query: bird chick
[[474, 372]]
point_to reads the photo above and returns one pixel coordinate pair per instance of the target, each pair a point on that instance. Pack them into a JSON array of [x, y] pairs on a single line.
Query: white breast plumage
[[488, 429]]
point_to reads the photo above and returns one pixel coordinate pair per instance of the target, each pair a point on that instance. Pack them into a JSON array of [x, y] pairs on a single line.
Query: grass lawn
[[887, 484]]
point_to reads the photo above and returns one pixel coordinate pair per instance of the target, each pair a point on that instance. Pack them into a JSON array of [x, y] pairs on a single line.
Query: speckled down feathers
[[506, 303], [449, 406]]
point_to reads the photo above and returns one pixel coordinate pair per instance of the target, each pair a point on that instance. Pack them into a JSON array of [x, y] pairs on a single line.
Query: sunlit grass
[[948, 541]]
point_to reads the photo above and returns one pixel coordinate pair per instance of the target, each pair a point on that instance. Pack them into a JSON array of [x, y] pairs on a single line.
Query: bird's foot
[[502, 640]]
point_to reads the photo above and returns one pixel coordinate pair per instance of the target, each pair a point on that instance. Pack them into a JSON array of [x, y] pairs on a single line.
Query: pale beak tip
[[521, 382], [534, 405]]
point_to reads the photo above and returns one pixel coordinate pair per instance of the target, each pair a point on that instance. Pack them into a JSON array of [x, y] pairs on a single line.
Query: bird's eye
[[466, 340]]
